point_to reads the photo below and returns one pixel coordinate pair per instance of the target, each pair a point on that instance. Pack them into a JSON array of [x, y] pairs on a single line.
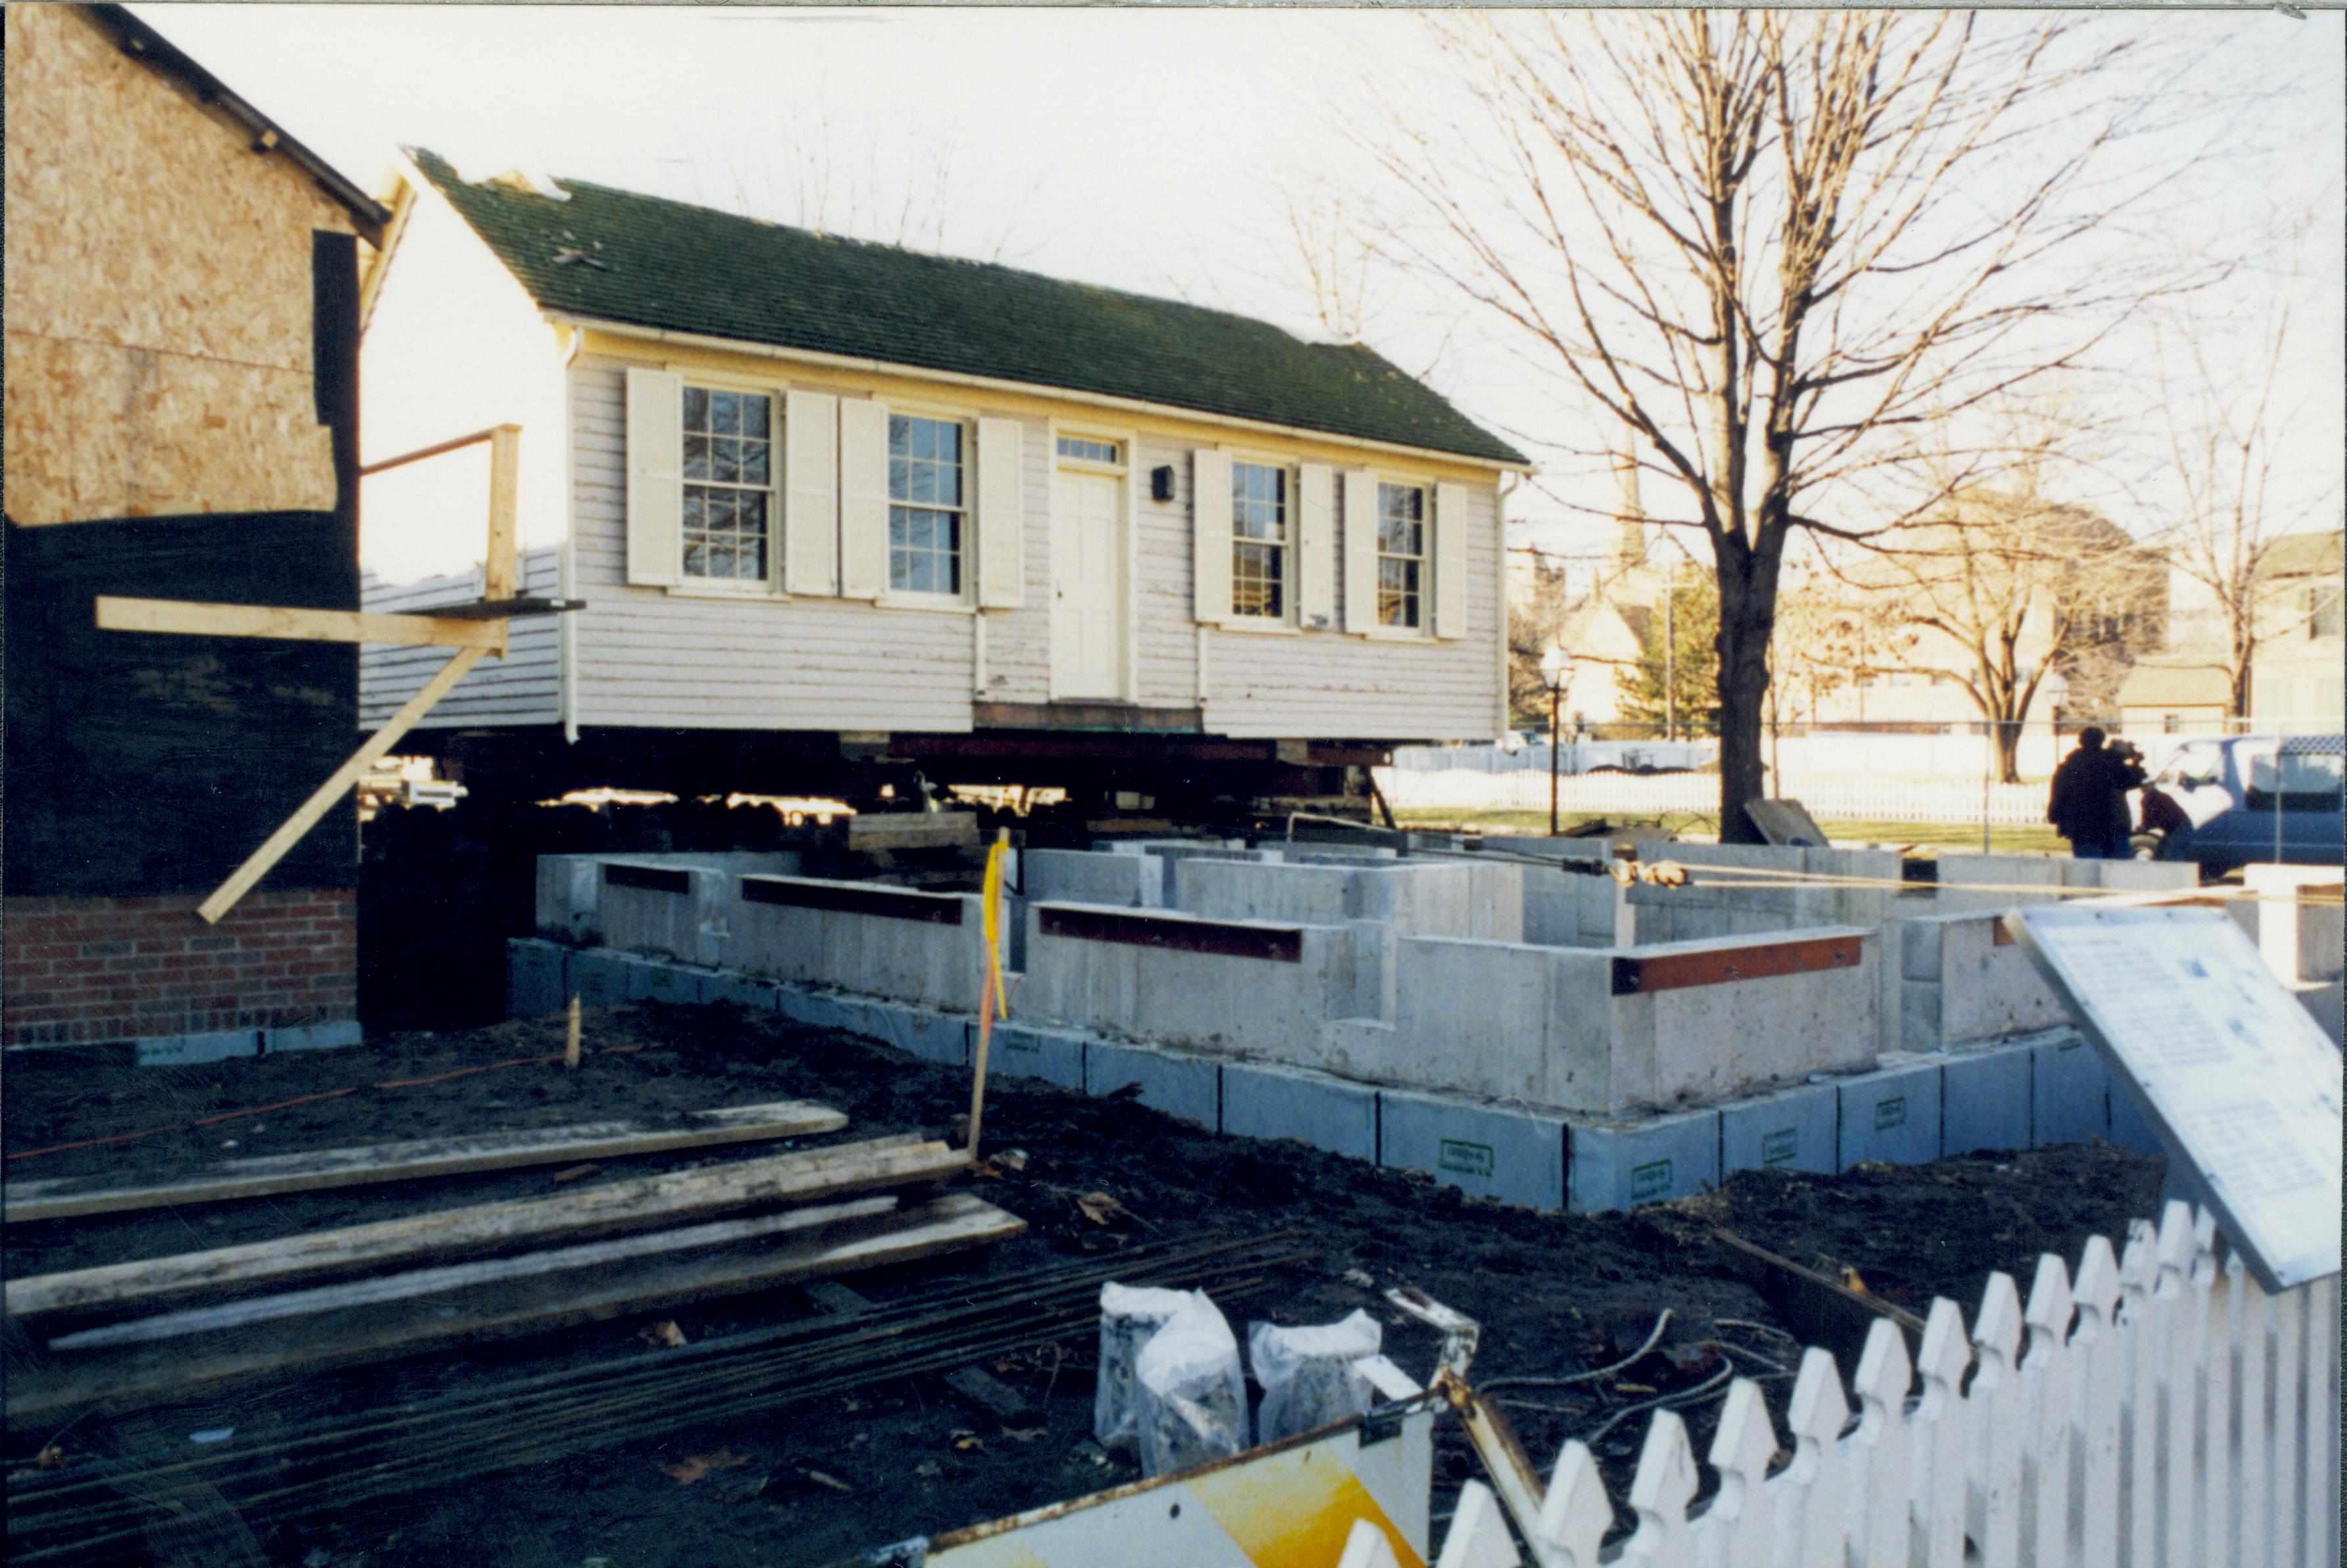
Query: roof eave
[[143, 43], [1000, 384]]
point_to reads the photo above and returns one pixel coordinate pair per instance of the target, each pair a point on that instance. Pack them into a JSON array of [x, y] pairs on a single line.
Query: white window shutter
[[811, 492], [1210, 538], [862, 497], [1001, 513], [655, 474], [1361, 550], [1315, 545], [1450, 559]]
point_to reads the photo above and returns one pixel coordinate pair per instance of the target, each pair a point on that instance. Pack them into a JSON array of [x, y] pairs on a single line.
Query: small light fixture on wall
[[1161, 483]]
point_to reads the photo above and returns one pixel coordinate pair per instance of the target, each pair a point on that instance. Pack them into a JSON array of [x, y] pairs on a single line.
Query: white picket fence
[[2165, 1413], [1848, 797]]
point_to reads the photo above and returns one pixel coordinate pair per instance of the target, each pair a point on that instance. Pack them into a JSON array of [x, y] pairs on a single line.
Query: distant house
[[181, 422], [819, 495], [2298, 667], [2083, 600]]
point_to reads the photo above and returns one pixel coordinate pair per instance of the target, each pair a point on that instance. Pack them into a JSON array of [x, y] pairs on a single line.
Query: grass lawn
[[1947, 836]]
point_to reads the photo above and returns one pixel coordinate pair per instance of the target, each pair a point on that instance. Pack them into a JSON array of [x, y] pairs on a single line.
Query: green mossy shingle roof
[[618, 256]]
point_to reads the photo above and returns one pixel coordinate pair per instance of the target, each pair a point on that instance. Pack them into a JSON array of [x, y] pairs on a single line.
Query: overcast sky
[[1142, 149]]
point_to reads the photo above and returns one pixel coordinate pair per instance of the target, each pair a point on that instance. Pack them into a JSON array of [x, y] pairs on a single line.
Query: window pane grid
[[1084, 450], [728, 476], [1401, 554], [1259, 530], [925, 476]]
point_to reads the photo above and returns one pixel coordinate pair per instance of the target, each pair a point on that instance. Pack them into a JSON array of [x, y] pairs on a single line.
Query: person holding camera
[[2087, 804]]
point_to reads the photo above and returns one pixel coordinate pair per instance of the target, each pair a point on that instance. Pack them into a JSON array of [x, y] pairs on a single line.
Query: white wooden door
[[1086, 587]]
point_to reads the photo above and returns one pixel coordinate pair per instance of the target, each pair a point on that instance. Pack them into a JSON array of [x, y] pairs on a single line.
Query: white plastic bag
[[1307, 1374], [1130, 1314], [1193, 1395]]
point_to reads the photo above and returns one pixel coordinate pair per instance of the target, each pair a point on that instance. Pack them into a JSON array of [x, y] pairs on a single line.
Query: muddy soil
[[813, 1483]]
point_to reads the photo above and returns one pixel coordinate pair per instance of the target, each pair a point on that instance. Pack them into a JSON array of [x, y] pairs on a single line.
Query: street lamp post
[[1556, 673]]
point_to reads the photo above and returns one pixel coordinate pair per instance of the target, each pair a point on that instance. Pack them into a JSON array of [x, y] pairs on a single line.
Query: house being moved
[[825, 499]]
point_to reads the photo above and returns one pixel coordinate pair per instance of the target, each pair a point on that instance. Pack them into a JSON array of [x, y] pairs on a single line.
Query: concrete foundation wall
[[1542, 1025], [934, 965], [1207, 1001], [1082, 876], [1448, 898]]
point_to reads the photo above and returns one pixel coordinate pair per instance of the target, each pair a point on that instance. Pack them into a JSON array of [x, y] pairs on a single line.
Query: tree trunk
[[1746, 615], [2008, 753]]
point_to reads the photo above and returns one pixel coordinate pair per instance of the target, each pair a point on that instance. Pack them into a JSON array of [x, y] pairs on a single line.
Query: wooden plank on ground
[[418, 1282], [132, 1376], [469, 1155], [638, 1202]]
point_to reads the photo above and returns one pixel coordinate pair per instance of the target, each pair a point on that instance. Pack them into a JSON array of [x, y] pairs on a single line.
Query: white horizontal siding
[[644, 656], [523, 688], [647, 657], [1328, 686]]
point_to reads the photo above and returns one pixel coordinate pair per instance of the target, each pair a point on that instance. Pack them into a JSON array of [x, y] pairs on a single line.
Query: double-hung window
[[1402, 555], [1258, 542], [726, 532], [928, 504]]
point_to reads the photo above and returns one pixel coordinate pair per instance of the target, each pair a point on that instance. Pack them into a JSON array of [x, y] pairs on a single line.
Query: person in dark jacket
[[2087, 804]]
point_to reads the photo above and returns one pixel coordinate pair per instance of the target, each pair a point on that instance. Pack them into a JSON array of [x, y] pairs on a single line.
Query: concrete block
[[1893, 1116], [597, 976], [924, 1032], [674, 911], [1988, 991], [1620, 1164], [1707, 1041], [822, 1009], [1189, 1087], [2130, 1128], [1984, 1101], [332, 1036], [742, 990], [534, 978], [1793, 1129], [219, 1045], [1264, 1102], [1490, 1151], [658, 980], [1029, 1051], [2070, 1092]]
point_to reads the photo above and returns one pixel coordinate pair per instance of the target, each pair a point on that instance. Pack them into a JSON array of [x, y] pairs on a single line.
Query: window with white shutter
[[1450, 537], [811, 492], [1210, 522], [655, 474], [1001, 513], [862, 497], [1315, 545], [1360, 492]]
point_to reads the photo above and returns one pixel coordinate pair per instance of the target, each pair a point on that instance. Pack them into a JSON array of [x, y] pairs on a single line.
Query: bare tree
[[2026, 588], [2221, 446], [1782, 246]]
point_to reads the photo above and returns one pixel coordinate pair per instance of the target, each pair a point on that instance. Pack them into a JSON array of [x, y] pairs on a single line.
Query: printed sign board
[[2238, 1080]]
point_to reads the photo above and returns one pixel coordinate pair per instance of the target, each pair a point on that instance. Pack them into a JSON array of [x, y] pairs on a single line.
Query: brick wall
[[87, 970]]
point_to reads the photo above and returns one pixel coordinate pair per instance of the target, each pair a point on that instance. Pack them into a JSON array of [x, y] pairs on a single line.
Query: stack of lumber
[[134, 1332]]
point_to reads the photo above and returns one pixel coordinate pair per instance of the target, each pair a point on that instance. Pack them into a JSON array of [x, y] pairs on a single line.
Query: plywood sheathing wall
[[158, 294]]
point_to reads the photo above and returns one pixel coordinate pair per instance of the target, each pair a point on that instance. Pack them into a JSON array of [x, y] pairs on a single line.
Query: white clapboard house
[[812, 488]]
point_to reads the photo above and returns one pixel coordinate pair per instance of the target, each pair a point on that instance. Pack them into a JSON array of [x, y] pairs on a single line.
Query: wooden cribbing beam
[[345, 778], [774, 1179], [421, 1159]]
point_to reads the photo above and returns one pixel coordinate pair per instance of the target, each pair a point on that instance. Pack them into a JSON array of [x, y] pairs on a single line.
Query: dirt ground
[[1555, 1293]]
